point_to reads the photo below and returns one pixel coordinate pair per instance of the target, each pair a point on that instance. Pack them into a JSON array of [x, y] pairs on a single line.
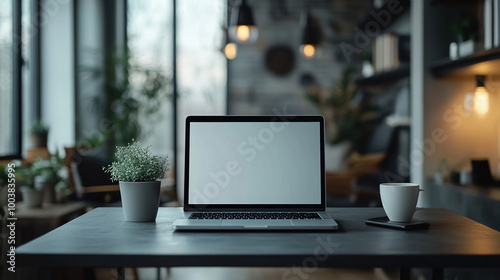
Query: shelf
[[448, 66], [369, 17], [384, 77], [454, 2]]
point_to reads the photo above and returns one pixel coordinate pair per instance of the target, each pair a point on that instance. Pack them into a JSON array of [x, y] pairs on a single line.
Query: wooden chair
[[342, 183]]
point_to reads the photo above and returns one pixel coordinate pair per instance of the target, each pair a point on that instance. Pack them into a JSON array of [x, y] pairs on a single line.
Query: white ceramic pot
[[335, 156], [140, 200], [466, 48], [32, 198]]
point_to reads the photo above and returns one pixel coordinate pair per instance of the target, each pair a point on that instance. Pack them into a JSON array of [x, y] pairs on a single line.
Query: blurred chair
[[341, 185], [375, 161], [86, 177]]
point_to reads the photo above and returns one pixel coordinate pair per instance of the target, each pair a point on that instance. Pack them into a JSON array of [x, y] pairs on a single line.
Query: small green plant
[[3, 175], [39, 128], [465, 27], [24, 175], [347, 117], [136, 164], [48, 169]]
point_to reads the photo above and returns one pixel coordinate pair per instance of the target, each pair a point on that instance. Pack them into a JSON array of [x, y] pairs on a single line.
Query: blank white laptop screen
[[254, 163]]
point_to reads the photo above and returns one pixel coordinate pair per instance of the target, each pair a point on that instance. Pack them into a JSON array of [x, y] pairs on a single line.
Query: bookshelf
[[369, 17], [446, 66], [390, 52], [384, 77]]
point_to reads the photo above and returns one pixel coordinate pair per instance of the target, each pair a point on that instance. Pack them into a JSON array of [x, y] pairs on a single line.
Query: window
[[9, 146], [17, 108], [201, 66], [149, 32]]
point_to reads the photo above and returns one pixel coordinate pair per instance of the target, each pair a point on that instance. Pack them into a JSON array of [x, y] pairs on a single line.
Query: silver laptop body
[[254, 173]]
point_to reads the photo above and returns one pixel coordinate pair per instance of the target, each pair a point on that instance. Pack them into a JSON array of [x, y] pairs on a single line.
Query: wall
[[57, 78], [462, 135], [255, 90], [466, 135]]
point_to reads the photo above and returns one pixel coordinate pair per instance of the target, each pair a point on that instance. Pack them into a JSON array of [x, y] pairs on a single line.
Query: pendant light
[[311, 38], [481, 97], [231, 50], [243, 29]]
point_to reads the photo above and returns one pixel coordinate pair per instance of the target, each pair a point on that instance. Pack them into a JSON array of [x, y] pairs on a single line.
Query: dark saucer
[[384, 222]]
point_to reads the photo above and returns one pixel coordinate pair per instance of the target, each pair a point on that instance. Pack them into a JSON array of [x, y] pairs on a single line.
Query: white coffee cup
[[399, 200]]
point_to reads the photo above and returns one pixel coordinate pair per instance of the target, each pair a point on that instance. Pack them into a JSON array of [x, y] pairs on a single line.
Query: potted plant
[[38, 134], [32, 197], [348, 117], [46, 175], [439, 175], [4, 179], [138, 172], [131, 96], [466, 30]]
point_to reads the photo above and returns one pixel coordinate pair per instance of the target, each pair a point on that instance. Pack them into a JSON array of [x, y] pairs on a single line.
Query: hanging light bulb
[[481, 97], [308, 50], [311, 39], [231, 50], [243, 29]]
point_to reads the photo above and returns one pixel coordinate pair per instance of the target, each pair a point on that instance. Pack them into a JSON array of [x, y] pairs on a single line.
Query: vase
[[38, 140], [466, 48], [140, 200], [335, 156], [32, 198], [48, 187]]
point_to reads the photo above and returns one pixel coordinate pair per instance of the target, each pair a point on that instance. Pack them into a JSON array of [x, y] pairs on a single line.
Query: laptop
[[255, 173]]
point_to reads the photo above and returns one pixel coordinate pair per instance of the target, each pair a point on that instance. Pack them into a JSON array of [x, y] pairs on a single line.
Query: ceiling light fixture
[[243, 29], [311, 38]]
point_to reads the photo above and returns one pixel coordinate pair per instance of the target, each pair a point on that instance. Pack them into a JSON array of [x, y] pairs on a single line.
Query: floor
[[219, 273], [223, 273]]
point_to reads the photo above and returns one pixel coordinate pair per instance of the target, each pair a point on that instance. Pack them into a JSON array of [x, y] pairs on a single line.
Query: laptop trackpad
[[256, 223]]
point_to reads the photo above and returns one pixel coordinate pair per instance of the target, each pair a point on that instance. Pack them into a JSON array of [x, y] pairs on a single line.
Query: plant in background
[[24, 175], [136, 164], [465, 27], [38, 134], [348, 116], [125, 106], [39, 128], [4, 175], [48, 169]]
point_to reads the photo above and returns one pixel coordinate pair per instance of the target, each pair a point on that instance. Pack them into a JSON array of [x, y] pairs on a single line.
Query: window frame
[[17, 68]]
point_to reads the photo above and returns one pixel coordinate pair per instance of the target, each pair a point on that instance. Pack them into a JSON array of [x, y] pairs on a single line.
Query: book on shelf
[[496, 23], [390, 51], [490, 24]]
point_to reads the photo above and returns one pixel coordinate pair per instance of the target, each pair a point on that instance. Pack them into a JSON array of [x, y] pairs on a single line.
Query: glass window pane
[[7, 106], [27, 35], [201, 65], [149, 28]]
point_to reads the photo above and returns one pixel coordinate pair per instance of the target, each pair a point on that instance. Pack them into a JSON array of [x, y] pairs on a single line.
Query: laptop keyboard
[[256, 215]]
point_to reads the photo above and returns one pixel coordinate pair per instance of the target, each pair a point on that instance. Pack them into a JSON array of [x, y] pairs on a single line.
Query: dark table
[[101, 238]]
